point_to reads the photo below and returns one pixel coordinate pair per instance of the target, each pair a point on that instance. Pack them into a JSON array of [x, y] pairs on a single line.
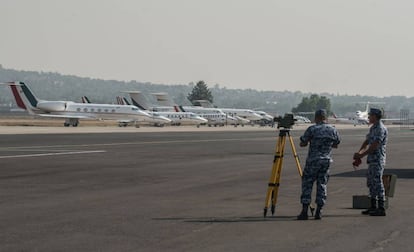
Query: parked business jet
[[362, 116], [244, 113], [177, 118], [215, 116], [265, 116], [385, 119], [155, 120], [72, 111]]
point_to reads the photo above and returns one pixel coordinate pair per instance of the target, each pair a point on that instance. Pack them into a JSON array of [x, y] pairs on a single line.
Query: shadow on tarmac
[[250, 219], [230, 219], [401, 173]]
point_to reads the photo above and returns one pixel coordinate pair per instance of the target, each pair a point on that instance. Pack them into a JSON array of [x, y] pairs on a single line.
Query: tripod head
[[285, 122]]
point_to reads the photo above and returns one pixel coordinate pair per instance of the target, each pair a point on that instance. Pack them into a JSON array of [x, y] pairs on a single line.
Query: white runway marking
[[53, 154]]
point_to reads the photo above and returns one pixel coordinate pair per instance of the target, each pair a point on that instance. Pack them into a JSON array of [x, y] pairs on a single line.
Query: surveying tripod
[[274, 182]]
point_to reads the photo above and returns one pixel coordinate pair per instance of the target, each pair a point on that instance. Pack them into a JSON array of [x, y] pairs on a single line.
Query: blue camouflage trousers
[[316, 170], [374, 180]]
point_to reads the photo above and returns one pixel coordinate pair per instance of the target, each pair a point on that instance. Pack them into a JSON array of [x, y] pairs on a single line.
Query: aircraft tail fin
[[85, 99], [24, 97], [163, 99], [122, 100], [367, 108], [203, 103], [138, 99], [179, 108]]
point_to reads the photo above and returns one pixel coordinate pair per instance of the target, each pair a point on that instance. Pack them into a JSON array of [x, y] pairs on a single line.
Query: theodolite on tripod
[[285, 123]]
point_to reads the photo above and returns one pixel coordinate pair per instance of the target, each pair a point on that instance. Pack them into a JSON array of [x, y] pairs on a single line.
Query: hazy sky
[[337, 46]]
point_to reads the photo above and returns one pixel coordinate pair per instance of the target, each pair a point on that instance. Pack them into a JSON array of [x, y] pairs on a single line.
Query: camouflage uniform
[[321, 137], [376, 160]]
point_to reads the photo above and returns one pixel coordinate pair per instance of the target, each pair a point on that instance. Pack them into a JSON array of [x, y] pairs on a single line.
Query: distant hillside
[[56, 86]]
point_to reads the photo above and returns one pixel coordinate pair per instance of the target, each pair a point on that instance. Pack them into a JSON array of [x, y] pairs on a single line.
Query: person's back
[[322, 137]]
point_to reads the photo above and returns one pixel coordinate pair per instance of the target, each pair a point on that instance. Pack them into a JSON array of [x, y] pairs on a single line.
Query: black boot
[[372, 208], [380, 211], [304, 214], [318, 214]]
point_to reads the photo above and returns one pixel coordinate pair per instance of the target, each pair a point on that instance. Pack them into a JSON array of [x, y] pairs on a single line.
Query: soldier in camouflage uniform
[[322, 138], [374, 148]]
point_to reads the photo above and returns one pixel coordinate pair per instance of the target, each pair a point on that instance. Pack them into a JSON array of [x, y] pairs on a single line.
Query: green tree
[[312, 103], [200, 92]]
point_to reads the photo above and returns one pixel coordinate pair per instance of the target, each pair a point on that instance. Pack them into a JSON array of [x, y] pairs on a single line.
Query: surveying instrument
[[286, 124]]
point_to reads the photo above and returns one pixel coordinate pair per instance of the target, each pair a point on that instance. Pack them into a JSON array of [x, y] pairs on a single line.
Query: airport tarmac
[[187, 190]]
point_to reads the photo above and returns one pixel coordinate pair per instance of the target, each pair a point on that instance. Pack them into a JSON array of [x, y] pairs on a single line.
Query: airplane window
[[92, 110], [113, 110], [78, 109], [85, 110]]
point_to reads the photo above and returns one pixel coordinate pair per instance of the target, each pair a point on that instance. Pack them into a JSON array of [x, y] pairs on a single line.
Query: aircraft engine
[[52, 106]]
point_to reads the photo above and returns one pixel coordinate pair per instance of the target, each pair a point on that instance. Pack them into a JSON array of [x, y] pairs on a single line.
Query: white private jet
[[215, 116], [177, 118], [72, 111], [264, 115], [155, 120], [243, 113], [362, 116]]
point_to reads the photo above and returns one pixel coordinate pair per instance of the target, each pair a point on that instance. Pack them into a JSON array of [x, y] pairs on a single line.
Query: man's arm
[[307, 136], [337, 140], [363, 151]]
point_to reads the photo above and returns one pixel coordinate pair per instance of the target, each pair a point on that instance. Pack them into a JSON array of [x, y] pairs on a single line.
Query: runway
[[188, 191]]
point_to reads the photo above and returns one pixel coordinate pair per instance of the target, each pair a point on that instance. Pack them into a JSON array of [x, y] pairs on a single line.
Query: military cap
[[320, 112], [375, 111]]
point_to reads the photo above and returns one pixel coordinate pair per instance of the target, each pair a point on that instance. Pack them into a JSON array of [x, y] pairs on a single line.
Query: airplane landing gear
[[71, 121]]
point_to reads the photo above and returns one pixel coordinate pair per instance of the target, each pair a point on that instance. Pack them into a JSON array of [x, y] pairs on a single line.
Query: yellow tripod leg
[[278, 176], [275, 176], [295, 155]]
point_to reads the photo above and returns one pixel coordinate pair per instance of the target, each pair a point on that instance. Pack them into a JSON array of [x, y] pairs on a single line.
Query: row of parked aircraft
[[137, 111]]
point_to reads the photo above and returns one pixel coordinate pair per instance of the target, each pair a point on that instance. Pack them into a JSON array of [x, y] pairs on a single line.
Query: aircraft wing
[[67, 116]]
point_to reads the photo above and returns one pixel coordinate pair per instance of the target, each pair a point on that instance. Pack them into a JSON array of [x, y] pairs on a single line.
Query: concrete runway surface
[[188, 191]]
